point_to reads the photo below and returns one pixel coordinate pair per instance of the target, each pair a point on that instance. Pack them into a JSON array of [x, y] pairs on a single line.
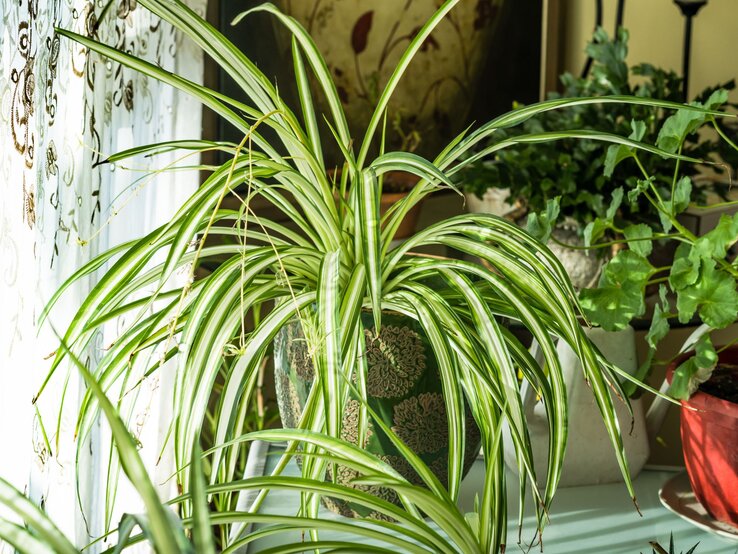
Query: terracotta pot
[[363, 40], [403, 387], [710, 445], [402, 182]]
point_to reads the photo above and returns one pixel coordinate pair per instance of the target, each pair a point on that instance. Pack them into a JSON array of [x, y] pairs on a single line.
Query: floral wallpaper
[[63, 111], [363, 40]]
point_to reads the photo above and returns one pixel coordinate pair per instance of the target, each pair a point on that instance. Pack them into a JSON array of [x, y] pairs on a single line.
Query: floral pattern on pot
[[396, 359], [350, 424], [404, 389], [301, 360], [417, 421]]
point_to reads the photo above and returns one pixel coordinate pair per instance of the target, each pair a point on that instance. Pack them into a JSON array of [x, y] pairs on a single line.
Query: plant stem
[[674, 178], [720, 132], [614, 241], [717, 205], [727, 345]]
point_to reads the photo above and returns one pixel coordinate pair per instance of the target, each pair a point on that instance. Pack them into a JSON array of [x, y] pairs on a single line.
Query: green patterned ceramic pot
[[404, 389]]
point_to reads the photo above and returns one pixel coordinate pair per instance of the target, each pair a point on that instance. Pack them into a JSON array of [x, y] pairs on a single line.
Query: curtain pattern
[[63, 111]]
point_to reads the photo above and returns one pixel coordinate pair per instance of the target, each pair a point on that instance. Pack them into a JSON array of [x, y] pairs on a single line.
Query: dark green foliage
[[699, 274], [573, 169]]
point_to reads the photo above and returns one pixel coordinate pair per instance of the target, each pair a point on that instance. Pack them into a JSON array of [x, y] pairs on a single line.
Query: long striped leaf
[[402, 64], [202, 533], [370, 240], [46, 532], [22, 540], [133, 466]]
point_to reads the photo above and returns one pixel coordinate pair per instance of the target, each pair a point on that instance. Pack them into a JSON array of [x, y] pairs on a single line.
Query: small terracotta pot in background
[[397, 185], [710, 444], [410, 221]]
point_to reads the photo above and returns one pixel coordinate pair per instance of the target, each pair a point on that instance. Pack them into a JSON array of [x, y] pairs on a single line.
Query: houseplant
[[338, 264], [697, 285], [572, 169]]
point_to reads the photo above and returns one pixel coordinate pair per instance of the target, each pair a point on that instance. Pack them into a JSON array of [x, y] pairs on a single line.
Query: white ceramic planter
[[590, 458], [494, 201], [582, 266]]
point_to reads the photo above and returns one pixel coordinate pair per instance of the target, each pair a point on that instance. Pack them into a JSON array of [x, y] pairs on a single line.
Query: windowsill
[[598, 518]]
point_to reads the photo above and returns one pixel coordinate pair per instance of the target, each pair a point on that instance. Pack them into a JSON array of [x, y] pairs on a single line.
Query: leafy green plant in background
[[698, 281], [336, 260], [572, 169]]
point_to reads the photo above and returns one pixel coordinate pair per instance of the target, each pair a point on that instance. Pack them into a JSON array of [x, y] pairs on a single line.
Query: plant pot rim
[[704, 401]]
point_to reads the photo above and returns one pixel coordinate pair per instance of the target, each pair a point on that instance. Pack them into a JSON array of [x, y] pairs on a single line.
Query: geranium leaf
[[685, 122], [541, 225], [659, 327], [636, 236], [714, 295], [665, 216], [619, 295], [594, 231], [716, 242], [639, 130], [617, 199], [705, 354], [677, 127], [641, 187], [618, 153], [680, 382], [682, 195], [695, 370], [612, 306], [615, 155], [628, 265], [685, 269]]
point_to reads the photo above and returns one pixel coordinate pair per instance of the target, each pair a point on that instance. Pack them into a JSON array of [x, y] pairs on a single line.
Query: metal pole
[[619, 15], [689, 10], [598, 23]]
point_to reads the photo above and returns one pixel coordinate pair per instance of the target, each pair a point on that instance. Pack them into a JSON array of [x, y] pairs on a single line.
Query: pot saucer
[[676, 495]]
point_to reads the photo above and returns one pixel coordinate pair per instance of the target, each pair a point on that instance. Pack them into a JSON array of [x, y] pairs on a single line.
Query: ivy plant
[[571, 169]]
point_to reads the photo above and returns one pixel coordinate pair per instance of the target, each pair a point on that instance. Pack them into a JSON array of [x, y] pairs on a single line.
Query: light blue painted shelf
[[584, 520]]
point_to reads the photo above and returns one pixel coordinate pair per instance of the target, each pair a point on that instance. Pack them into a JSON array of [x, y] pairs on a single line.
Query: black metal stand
[[689, 9], [598, 23], [619, 15]]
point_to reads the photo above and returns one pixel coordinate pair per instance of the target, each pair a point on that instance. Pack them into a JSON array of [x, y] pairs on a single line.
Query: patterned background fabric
[[64, 110]]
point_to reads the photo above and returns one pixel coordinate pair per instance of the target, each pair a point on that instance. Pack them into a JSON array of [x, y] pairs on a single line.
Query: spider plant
[[334, 261]]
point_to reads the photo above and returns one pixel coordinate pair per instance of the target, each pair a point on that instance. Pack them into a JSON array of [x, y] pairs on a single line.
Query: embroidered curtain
[[63, 111]]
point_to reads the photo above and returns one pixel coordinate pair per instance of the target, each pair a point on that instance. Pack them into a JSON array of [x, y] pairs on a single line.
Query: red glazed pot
[[710, 446]]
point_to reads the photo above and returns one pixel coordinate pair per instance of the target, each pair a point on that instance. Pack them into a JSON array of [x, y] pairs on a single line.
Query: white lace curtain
[[63, 110]]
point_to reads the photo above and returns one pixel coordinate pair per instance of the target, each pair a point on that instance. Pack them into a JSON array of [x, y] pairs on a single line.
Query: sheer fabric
[[64, 110]]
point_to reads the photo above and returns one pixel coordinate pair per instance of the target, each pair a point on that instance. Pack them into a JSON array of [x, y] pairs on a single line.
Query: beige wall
[[656, 31]]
